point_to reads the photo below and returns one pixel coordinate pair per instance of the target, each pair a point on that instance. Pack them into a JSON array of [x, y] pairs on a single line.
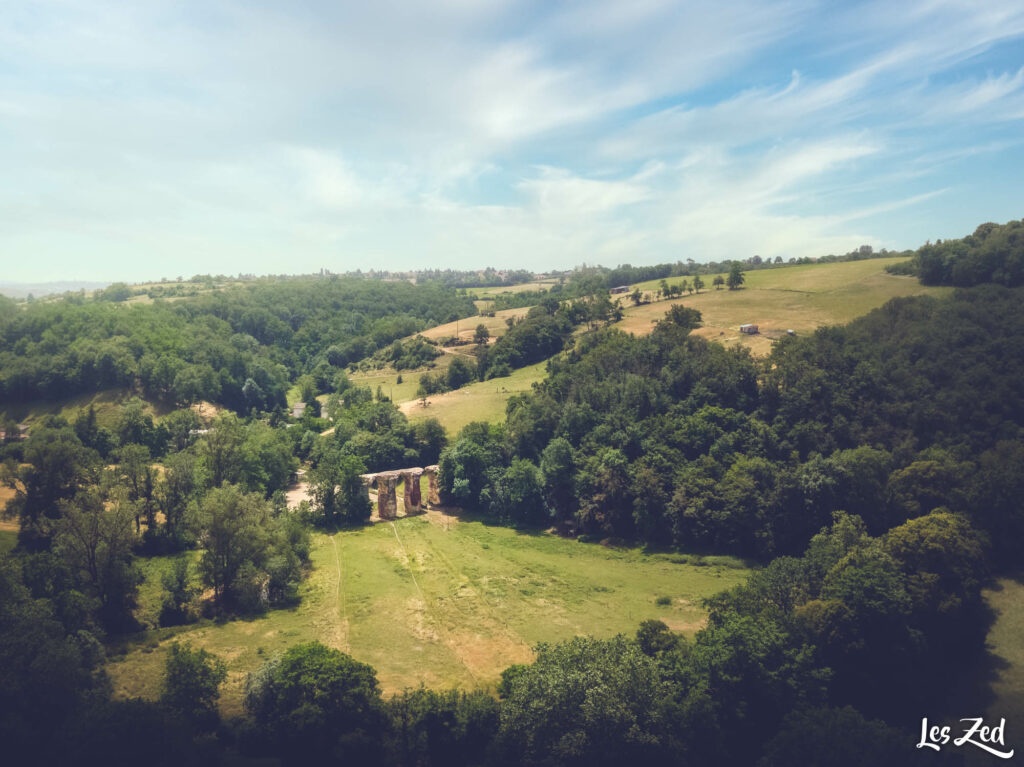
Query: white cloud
[[276, 138]]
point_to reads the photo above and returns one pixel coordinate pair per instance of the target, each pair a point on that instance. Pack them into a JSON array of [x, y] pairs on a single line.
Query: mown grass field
[[481, 401], [444, 601], [801, 298]]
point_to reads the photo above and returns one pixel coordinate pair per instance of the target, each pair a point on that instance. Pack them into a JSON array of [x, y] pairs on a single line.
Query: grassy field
[[446, 602], [466, 327], [387, 379], [1006, 644], [107, 403], [801, 298], [520, 288], [481, 401]]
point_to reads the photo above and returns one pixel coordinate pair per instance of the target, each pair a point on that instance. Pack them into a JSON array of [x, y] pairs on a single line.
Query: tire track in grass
[[456, 575], [340, 603], [483, 635], [441, 629]]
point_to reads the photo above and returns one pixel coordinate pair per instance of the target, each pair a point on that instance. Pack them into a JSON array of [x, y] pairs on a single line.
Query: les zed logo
[[976, 734]]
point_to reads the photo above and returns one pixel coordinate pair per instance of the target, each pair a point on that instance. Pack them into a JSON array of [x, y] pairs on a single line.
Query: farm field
[[444, 601], [485, 293], [481, 401], [801, 298], [466, 327]]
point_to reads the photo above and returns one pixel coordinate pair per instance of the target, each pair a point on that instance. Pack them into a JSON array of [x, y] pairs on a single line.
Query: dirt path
[[298, 493]]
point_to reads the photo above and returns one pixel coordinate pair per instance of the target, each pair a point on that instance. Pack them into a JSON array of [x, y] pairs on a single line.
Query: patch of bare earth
[[485, 656], [683, 626], [442, 517], [298, 493], [206, 411]]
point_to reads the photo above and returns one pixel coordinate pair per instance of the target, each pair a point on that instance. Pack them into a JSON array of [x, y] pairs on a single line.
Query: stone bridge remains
[[387, 483]]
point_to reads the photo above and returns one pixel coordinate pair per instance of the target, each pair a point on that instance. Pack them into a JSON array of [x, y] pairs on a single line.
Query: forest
[[240, 347], [873, 473], [993, 253]]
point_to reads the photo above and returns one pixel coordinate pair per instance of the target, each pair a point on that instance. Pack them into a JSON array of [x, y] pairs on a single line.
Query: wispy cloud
[[165, 137]]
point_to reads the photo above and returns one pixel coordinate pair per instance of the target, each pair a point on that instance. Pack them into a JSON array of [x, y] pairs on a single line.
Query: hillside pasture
[[444, 601], [481, 401], [802, 298], [465, 328], [108, 405]]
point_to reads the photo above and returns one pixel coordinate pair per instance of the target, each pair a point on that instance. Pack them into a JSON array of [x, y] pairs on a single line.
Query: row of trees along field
[[240, 347]]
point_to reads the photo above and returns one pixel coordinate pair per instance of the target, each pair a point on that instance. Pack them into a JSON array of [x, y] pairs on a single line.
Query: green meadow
[[481, 401], [443, 601]]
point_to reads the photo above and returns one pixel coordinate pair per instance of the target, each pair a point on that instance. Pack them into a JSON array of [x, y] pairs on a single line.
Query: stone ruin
[[387, 484]]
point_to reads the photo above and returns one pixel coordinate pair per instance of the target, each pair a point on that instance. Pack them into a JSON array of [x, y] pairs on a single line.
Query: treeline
[[994, 253], [455, 278], [627, 274], [678, 442], [239, 347]]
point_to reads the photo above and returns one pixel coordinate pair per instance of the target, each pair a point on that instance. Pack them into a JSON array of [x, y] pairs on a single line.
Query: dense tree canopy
[[994, 253], [677, 441], [240, 346]]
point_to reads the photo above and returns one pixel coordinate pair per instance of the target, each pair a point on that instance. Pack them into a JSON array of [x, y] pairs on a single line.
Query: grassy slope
[[466, 327], [446, 602], [799, 297], [481, 401], [107, 403]]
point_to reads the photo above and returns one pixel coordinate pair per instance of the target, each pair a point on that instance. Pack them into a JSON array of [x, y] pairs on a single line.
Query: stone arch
[[387, 482]]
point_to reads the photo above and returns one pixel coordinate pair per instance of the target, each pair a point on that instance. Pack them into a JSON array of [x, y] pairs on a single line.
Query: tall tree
[[191, 684], [231, 526], [735, 278], [56, 465], [337, 487], [98, 542], [316, 703]]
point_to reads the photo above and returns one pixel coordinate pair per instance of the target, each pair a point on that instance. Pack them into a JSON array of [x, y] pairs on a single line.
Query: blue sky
[[150, 139]]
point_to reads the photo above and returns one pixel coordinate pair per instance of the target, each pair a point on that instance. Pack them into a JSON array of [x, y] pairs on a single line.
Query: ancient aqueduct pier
[[387, 483]]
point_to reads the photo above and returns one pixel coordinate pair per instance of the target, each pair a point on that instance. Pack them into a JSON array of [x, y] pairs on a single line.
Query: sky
[[156, 139]]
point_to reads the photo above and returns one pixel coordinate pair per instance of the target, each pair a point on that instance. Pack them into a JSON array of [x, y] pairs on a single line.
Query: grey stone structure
[[387, 483]]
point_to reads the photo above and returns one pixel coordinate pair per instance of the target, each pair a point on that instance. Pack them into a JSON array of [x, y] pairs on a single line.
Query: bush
[[316, 703], [191, 684]]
